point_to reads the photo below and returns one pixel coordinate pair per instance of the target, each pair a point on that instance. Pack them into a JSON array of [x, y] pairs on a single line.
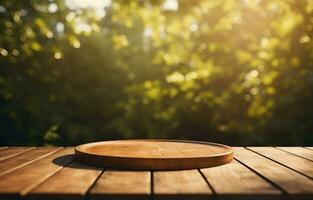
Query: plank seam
[[263, 177], [29, 162], [208, 183], [87, 194], [281, 164], [16, 154], [308, 148], [152, 185], [40, 182], [294, 153]]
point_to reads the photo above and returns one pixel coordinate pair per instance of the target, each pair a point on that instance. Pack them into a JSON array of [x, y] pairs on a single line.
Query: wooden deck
[[256, 173]]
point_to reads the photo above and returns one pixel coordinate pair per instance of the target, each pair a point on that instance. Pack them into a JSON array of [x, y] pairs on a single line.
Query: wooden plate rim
[[229, 150]]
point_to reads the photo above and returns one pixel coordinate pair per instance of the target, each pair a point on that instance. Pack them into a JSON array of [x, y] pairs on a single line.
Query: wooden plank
[[122, 185], [72, 182], [288, 180], [19, 182], [11, 164], [237, 181], [1, 148], [13, 151], [299, 151], [294, 162], [187, 184]]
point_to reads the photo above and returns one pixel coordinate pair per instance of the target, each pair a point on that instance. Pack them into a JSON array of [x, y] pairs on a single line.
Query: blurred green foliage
[[236, 71]]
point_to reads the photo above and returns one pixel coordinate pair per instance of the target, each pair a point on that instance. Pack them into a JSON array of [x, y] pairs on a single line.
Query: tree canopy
[[235, 71]]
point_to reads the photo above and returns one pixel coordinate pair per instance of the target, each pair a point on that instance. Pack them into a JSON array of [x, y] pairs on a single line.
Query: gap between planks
[[235, 180], [13, 151], [92, 193], [13, 163], [32, 174], [78, 181], [184, 184], [113, 184], [298, 151], [73, 182], [291, 161], [280, 176]]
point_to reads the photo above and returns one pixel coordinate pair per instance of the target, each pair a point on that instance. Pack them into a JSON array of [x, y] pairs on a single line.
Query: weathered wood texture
[[299, 151], [10, 152], [289, 160], [256, 173], [122, 185], [289, 181], [187, 184], [236, 180]]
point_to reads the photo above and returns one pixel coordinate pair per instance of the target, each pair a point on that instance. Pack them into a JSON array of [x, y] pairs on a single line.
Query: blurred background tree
[[237, 71]]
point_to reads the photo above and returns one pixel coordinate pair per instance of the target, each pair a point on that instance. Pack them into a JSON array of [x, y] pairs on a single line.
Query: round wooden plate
[[154, 154]]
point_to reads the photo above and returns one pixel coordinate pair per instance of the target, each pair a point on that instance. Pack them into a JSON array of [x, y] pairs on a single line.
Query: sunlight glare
[[97, 5], [171, 5]]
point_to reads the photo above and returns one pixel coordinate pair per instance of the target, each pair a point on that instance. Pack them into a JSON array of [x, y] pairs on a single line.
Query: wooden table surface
[[255, 173]]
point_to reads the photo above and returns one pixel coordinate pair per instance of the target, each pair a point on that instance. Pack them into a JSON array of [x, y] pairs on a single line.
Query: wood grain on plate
[[154, 154]]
